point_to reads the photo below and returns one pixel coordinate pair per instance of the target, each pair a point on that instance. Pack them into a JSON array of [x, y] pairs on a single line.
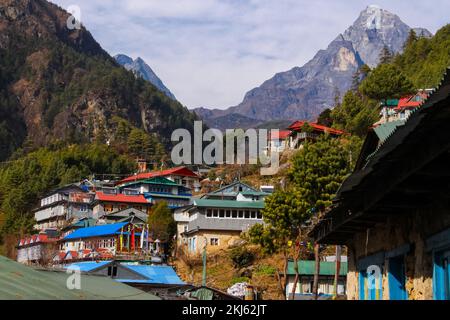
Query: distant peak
[[373, 7], [123, 59]]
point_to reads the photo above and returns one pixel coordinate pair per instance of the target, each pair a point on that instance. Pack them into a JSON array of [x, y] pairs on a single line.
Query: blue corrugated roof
[[86, 266], [97, 231], [154, 274]]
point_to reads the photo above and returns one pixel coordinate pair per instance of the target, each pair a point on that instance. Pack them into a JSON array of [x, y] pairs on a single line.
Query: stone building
[[219, 218], [393, 212]]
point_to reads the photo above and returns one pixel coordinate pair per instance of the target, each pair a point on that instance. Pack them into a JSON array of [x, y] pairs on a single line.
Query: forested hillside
[[58, 84]]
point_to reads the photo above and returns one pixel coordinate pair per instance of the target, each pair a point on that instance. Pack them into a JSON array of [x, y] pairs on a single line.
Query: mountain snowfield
[[303, 92]]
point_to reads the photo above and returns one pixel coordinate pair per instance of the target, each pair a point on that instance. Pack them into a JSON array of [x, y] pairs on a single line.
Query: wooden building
[[393, 212]]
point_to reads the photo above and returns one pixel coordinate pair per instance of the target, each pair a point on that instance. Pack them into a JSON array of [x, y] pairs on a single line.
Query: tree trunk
[[296, 259], [285, 266], [294, 288], [316, 272], [338, 270]]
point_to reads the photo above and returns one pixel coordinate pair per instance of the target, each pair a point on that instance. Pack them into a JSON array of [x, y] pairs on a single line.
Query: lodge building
[[393, 212]]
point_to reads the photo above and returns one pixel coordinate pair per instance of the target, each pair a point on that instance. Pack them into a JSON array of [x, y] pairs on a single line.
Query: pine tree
[[386, 55], [386, 82], [412, 38]]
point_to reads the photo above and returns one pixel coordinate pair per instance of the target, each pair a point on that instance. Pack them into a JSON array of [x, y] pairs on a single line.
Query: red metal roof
[[120, 198], [181, 171], [35, 239], [411, 102], [297, 126], [280, 135]]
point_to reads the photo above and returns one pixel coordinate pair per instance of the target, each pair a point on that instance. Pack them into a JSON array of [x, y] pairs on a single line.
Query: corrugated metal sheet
[[154, 274], [97, 231], [385, 130], [87, 266], [19, 282], [306, 267]]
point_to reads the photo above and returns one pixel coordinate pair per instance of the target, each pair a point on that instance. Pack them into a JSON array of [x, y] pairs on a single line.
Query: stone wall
[[413, 228]]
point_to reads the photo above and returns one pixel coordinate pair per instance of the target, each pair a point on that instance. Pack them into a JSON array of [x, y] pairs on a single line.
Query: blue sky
[[209, 53]]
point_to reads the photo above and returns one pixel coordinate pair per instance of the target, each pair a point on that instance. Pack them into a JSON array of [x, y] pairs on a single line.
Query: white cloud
[[211, 52]]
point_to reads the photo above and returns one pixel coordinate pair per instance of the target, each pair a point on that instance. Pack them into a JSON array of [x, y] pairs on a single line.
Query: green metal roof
[[385, 130], [390, 103], [155, 180], [307, 268], [19, 282], [255, 193], [210, 203]]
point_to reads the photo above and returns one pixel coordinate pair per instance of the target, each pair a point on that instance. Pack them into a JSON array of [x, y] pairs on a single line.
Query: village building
[[107, 240], [156, 279], [218, 218], [107, 203], [279, 141], [20, 282], [393, 110], [306, 269], [180, 175], [130, 215], [62, 206], [298, 136], [392, 212], [158, 189], [38, 249]]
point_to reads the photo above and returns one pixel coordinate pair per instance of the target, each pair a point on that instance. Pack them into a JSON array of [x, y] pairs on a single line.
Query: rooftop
[[307, 268], [121, 198], [298, 125], [96, 231], [181, 171], [19, 282]]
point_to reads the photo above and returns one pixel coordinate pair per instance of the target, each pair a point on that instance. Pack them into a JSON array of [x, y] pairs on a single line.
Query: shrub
[[241, 257]]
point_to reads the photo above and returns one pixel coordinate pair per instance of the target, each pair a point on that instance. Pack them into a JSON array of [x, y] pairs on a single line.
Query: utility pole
[[204, 263], [338, 270], [316, 271]]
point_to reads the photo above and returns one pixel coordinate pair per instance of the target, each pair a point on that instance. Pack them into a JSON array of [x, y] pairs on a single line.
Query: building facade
[[392, 212], [218, 219], [63, 206], [180, 175], [306, 268]]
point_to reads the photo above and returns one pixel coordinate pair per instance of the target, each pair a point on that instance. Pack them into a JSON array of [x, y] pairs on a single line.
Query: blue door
[[441, 276], [397, 279]]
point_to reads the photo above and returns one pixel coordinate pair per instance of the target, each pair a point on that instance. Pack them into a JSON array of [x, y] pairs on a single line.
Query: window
[[228, 213], [247, 214], [241, 214], [214, 241], [234, 214], [215, 213], [259, 215], [221, 213], [253, 214]]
